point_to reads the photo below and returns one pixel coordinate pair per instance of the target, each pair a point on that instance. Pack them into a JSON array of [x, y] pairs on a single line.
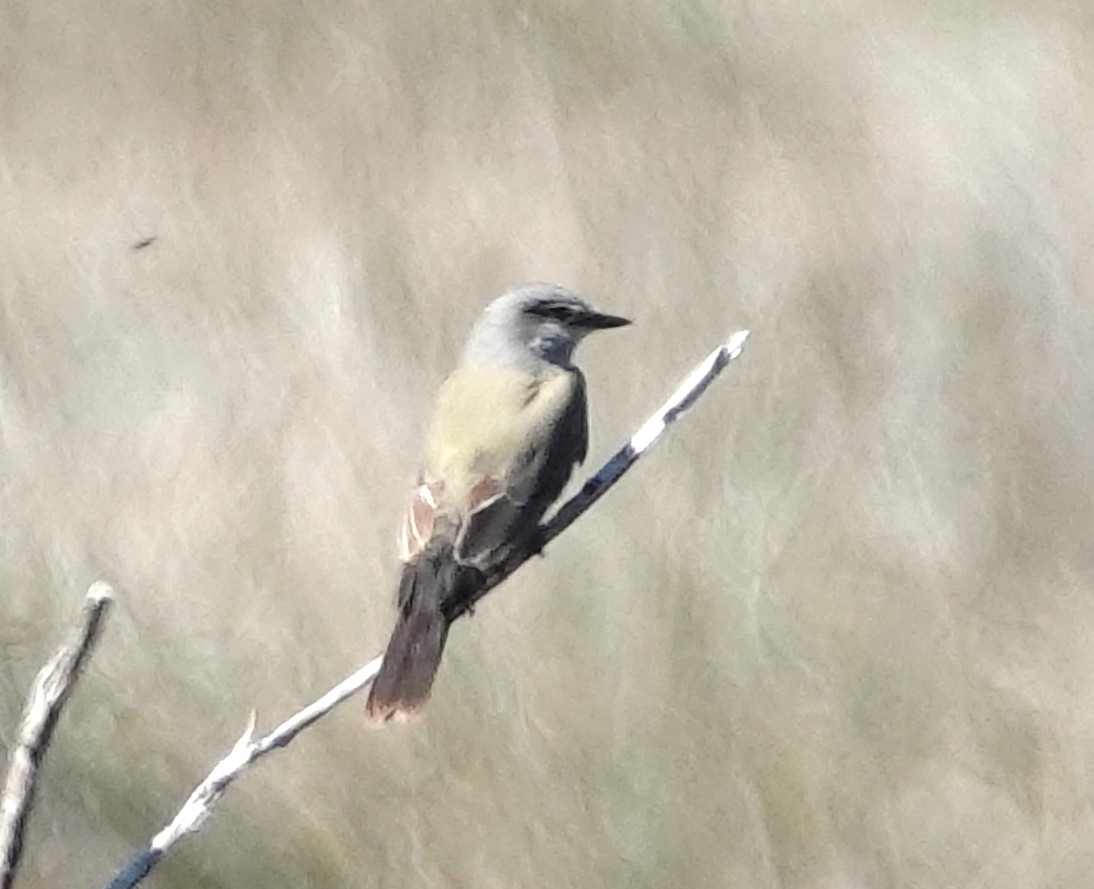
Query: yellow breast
[[486, 421]]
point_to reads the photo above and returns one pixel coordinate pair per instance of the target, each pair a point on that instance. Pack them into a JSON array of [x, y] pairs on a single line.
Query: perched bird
[[508, 428]]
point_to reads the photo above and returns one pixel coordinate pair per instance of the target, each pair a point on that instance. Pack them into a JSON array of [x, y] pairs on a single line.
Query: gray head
[[532, 325]]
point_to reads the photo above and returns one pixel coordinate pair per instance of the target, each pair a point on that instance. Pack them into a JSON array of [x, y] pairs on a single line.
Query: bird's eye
[[563, 312]]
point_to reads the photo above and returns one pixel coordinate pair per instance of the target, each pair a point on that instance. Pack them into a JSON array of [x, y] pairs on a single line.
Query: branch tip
[[736, 342], [100, 593], [249, 731]]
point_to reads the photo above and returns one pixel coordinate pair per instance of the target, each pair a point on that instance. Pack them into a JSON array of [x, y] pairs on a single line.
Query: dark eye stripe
[[558, 311]]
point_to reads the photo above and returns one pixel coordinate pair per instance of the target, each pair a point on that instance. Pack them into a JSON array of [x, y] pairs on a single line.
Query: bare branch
[[246, 750], [47, 699], [207, 794]]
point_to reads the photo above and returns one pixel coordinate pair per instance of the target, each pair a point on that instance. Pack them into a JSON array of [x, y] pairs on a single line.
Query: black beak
[[599, 321]]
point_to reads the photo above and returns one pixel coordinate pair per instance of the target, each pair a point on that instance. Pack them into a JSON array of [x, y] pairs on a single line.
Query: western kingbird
[[509, 425]]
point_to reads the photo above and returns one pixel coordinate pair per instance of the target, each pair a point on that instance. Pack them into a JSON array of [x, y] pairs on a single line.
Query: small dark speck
[[144, 242]]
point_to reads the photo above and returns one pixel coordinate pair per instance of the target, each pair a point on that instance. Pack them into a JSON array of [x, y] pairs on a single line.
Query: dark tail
[[429, 586]]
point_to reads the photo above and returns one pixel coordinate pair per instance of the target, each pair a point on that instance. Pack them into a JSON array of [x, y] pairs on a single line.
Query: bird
[[509, 425]]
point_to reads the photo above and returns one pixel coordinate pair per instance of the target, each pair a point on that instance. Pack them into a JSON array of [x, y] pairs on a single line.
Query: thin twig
[[44, 704], [200, 804], [247, 749]]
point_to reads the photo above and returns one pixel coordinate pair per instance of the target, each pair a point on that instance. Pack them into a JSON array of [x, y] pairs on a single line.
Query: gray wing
[[505, 517]]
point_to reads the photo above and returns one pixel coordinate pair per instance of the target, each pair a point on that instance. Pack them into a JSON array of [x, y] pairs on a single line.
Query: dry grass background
[[837, 632]]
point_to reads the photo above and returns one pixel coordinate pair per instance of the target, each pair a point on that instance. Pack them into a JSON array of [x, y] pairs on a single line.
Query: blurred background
[[836, 631]]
